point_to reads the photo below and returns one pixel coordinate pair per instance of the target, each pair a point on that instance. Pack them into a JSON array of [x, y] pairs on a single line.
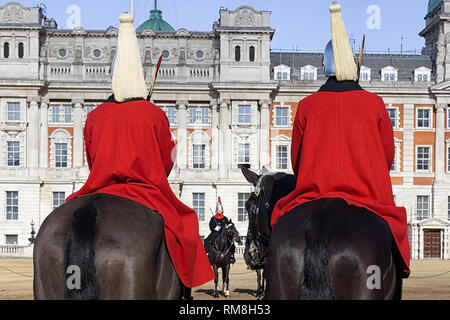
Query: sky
[[299, 24]]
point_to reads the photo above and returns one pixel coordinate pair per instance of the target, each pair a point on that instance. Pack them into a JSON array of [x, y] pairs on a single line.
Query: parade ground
[[430, 280]]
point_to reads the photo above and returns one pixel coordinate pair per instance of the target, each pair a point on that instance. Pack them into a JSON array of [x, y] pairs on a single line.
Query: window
[[11, 239], [62, 53], [199, 156], [282, 72], [198, 204], [171, 111], [423, 159], [282, 116], [67, 114], [423, 207], [392, 112], [448, 118], [422, 74], [242, 211], [21, 50], [394, 164], [12, 205], [252, 54], [61, 155], [389, 74], [244, 154], [282, 157], [424, 118], [13, 111], [308, 73], [6, 50], [192, 115], [448, 208], [205, 115], [61, 114], [448, 158], [244, 114], [165, 54], [58, 199], [89, 109], [199, 54], [237, 54], [97, 53], [365, 73], [13, 154]]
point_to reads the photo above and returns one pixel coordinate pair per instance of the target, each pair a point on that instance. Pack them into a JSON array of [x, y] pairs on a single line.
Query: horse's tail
[[80, 274], [316, 282]]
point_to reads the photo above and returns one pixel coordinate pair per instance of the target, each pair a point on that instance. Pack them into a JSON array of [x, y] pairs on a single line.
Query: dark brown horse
[[325, 249], [103, 247]]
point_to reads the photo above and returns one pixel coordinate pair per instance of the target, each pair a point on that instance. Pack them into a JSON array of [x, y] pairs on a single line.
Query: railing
[[12, 250], [199, 73], [61, 70], [167, 73], [96, 70]]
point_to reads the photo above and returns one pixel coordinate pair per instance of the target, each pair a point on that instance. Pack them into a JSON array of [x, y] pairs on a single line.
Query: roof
[[405, 63], [433, 4], [156, 23]]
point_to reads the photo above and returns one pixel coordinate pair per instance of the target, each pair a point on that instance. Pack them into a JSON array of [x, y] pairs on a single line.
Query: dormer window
[[282, 72], [389, 74], [365, 74], [422, 74], [308, 73]]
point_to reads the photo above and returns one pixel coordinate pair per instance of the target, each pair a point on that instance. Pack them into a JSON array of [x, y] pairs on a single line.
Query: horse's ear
[[251, 176], [264, 171]]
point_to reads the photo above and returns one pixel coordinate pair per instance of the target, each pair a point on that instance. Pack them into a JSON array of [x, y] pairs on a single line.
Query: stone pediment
[[112, 31], [442, 86], [244, 17], [433, 222], [15, 13], [182, 33], [79, 31]]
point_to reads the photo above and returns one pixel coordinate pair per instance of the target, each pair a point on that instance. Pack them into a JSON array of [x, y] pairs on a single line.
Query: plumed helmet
[[328, 60]]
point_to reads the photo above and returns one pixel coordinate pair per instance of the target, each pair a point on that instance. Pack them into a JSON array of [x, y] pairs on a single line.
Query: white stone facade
[[46, 94]]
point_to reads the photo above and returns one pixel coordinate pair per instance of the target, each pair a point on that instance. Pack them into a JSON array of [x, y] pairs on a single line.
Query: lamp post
[[32, 239]]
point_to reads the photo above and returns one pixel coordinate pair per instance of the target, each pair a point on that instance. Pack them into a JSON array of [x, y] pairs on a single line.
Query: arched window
[[237, 53], [21, 50], [6, 50], [252, 54]]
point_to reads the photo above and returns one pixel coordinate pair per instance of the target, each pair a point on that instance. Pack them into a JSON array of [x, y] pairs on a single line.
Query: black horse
[[259, 229], [325, 249], [218, 246], [104, 247]]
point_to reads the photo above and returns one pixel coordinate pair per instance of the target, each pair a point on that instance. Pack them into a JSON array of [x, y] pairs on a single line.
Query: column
[[440, 199], [77, 152], [224, 150], [33, 135], [43, 145], [215, 135], [264, 154], [182, 135], [408, 144]]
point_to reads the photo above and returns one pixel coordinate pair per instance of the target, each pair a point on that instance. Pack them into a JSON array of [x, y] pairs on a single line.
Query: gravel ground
[[429, 280]]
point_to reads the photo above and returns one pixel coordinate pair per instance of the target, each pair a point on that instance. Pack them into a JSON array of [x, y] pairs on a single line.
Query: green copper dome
[[155, 22], [432, 4]]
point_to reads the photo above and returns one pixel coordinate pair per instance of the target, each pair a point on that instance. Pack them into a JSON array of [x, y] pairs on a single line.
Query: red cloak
[[129, 150], [343, 147]]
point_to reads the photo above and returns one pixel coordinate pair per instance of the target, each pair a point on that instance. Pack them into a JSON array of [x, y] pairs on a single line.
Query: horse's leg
[[263, 282], [258, 279], [216, 280], [226, 280]]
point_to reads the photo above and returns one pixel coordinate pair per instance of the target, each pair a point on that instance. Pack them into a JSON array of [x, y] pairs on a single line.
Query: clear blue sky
[[302, 24]]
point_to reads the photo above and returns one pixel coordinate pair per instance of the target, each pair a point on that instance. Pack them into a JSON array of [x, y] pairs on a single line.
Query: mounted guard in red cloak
[[130, 153]]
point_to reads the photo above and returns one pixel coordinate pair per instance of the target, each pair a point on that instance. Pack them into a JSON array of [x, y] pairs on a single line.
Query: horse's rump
[[127, 244]]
